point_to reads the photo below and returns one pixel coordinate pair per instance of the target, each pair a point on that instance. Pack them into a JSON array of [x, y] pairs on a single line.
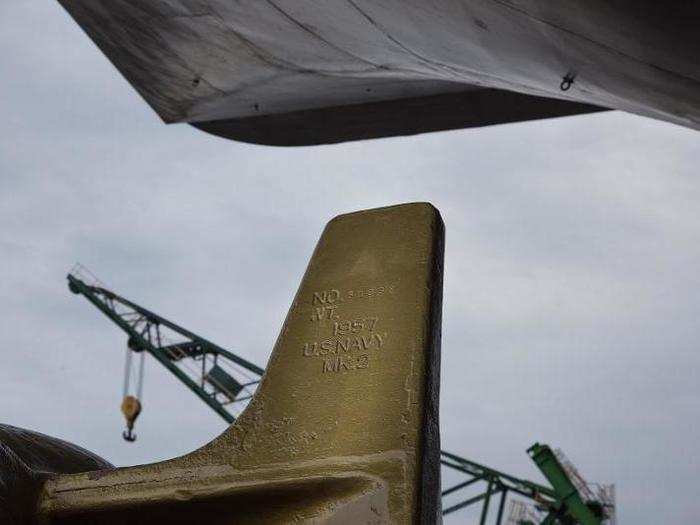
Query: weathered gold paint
[[338, 432]]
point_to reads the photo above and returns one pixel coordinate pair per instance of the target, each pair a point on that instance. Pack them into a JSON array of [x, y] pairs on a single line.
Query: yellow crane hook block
[[131, 408], [344, 426]]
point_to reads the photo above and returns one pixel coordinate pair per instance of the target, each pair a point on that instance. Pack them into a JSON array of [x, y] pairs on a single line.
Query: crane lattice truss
[[226, 382], [222, 379], [494, 484]]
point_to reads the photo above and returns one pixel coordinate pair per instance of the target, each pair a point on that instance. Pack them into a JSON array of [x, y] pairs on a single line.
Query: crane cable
[[131, 402]]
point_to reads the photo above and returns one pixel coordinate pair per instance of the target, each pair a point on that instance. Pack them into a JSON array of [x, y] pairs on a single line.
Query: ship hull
[[292, 72]]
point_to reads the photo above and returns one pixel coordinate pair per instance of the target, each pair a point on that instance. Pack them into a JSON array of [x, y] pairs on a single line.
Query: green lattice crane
[[220, 378]]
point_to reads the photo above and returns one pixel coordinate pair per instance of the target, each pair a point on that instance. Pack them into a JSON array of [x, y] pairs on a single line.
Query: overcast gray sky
[[571, 287]]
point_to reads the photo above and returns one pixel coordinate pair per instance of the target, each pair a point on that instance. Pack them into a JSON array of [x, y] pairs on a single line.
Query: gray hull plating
[[301, 71]]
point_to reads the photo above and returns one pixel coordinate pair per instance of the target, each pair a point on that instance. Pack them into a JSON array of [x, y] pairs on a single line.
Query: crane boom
[[221, 379]]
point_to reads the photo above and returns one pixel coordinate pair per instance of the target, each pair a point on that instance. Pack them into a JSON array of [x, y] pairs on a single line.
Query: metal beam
[[468, 502], [566, 491], [501, 507], [487, 502]]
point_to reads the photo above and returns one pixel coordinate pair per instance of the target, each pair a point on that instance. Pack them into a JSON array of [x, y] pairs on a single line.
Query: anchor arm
[[348, 434]]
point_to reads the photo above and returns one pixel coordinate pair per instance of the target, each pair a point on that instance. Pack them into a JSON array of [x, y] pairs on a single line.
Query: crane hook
[[128, 435], [131, 408]]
